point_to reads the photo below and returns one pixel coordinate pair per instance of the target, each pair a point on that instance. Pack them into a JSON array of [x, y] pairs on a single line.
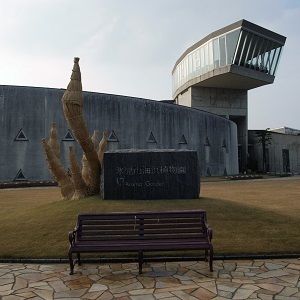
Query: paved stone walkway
[[243, 279]]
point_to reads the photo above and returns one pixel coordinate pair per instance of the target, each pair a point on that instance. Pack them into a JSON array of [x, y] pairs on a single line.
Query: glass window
[[255, 42], [249, 45], [182, 72], [275, 60], [210, 56], [231, 44], [197, 52], [216, 53], [269, 56], [239, 52], [190, 66], [194, 61], [265, 55], [274, 54], [202, 60], [246, 42], [174, 81], [197, 59], [257, 60], [206, 57], [222, 51]]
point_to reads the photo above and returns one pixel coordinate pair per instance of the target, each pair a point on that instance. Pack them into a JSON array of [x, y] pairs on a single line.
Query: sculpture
[[102, 148], [53, 141], [58, 172], [86, 182], [80, 186]]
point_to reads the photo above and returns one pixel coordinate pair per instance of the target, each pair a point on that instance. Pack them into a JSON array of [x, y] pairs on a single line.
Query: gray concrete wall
[[185, 98], [275, 157], [220, 101], [132, 120], [228, 103]]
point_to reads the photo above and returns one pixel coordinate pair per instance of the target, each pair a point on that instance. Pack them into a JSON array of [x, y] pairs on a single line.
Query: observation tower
[[216, 73]]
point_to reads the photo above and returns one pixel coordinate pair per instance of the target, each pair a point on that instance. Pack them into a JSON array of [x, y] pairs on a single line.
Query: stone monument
[[151, 174]]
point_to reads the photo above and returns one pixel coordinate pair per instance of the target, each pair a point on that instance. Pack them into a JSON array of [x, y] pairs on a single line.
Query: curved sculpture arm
[[58, 172], [72, 102]]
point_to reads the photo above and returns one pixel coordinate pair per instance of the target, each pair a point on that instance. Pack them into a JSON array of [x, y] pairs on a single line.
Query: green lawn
[[247, 217]]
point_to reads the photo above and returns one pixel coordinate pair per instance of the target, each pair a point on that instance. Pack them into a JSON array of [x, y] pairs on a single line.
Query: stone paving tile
[[234, 279]]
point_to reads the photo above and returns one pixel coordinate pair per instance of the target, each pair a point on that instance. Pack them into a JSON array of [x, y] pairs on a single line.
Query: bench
[[140, 232]]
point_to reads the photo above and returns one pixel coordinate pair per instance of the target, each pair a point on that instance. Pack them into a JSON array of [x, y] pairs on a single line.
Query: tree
[[264, 138]]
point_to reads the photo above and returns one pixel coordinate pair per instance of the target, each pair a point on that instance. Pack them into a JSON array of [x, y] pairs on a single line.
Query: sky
[[129, 47]]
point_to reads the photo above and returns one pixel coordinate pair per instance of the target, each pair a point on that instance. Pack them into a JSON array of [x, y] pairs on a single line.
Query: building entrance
[[286, 160]]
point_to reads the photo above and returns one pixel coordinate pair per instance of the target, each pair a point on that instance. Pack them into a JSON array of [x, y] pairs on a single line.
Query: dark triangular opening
[[69, 136], [113, 137], [151, 138], [225, 172], [20, 176], [207, 143], [21, 136], [224, 144], [183, 140]]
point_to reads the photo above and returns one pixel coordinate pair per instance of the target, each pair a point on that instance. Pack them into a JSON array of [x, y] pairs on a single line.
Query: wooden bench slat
[[144, 233], [99, 239], [112, 227], [143, 228], [137, 243], [141, 221]]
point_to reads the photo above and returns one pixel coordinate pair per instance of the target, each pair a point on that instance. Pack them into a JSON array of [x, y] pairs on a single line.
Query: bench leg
[[206, 255], [141, 258], [211, 256], [71, 263], [78, 259]]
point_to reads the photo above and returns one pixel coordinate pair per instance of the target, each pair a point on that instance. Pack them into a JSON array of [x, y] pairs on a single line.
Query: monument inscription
[[151, 174]]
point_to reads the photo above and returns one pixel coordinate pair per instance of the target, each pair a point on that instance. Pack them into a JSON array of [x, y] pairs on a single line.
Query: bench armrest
[[72, 235], [209, 233]]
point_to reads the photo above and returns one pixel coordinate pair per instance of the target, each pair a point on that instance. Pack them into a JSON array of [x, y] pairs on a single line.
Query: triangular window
[[207, 143], [112, 137], [20, 176], [21, 136], [151, 138], [224, 144], [69, 136], [183, 140], [224, 147]]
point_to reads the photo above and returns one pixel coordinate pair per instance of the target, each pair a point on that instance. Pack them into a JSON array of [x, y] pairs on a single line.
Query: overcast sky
[[129, 47]]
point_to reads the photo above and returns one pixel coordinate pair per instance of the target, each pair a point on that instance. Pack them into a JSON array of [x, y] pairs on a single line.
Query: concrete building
[[282, 151], [28, 112], [210, 87], [285, 130], [216, 73]]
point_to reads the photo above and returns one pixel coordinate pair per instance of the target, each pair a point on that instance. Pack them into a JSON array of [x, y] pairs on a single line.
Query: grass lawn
[[247, 217]]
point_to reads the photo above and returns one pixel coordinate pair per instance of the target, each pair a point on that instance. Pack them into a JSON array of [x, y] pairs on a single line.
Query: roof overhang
[[229, 77]]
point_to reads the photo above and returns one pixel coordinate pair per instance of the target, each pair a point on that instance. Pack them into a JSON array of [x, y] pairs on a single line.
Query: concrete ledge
[[149, 259]]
